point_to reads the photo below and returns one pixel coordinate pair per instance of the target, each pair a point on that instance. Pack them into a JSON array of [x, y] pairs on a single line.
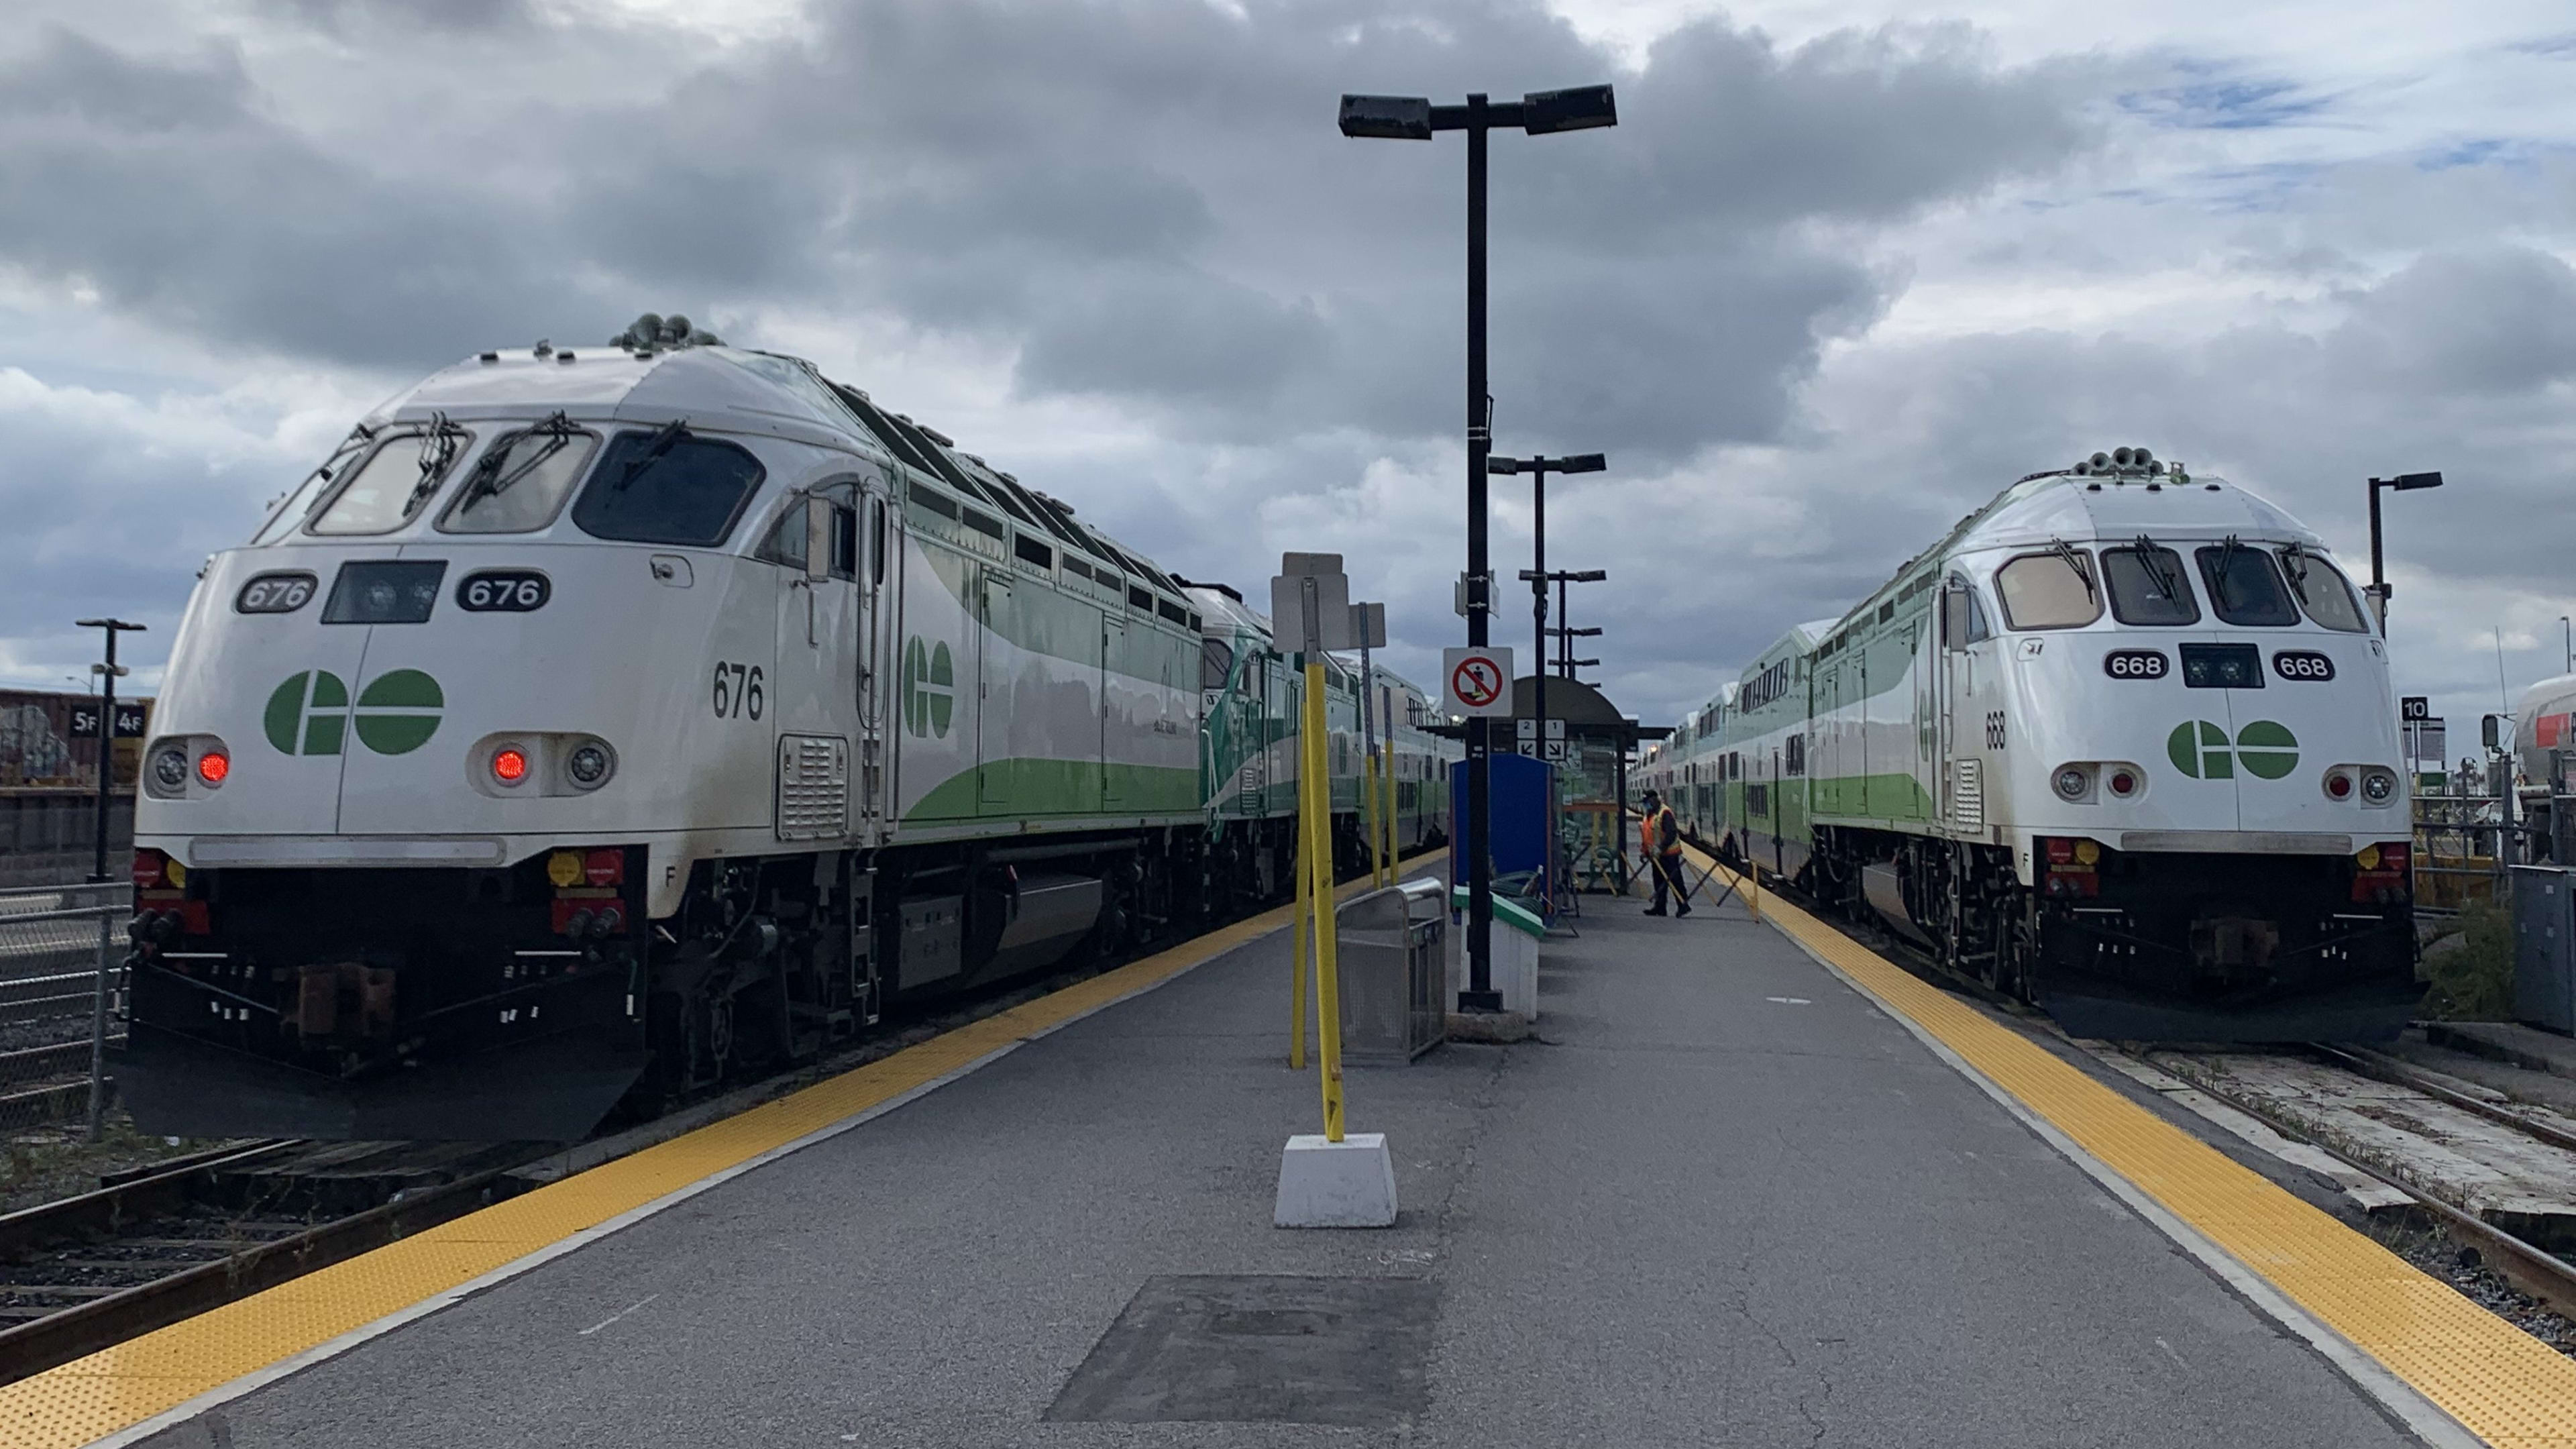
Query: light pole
[[2568, 632], [2379, 589], [1414, 118], [1566, 634], [1538, 468], [106, 673]]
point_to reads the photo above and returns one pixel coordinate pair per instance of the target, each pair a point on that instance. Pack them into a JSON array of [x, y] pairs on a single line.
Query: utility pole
[[1537, 575], [2379, 590], [107, 673], [1414, 118]]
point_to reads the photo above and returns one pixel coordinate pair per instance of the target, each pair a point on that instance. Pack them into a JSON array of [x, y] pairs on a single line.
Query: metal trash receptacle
[[1393, 959], [2544, 947]]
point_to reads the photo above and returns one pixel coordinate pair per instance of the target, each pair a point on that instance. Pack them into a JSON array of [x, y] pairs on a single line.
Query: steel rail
[[2365, 1062]]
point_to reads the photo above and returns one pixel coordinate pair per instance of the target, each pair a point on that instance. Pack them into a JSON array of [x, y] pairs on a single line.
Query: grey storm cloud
[[1147, 202]]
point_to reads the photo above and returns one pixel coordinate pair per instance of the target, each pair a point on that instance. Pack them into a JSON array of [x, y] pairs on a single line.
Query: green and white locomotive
[[2122, 743], [599, 726]]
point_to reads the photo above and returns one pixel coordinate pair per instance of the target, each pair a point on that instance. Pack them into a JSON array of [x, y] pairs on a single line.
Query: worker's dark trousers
[[1668, 870]]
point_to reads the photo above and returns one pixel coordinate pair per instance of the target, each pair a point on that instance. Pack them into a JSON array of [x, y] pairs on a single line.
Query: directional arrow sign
[[1477, 681]]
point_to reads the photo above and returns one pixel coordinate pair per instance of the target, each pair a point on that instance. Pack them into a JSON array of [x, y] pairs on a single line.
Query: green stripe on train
[[1059, 787]]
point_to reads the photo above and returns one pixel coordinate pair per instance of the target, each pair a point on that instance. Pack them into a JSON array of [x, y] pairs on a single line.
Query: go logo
[[2201, 750], [310, 714], [929, 688]]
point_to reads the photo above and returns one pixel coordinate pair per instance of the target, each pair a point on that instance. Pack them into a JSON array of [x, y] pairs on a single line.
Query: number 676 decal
[[737, 690], [503, 591]]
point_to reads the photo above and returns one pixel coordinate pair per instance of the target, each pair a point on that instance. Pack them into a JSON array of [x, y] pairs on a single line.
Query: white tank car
[[607, 723], [2544, 729], [2123, 742]]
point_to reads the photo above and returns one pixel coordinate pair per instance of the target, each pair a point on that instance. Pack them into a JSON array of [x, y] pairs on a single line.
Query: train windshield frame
[[669, 486], [393, 485], [2055, 590], [2327, 600], [2244, 587], [2149, 586]]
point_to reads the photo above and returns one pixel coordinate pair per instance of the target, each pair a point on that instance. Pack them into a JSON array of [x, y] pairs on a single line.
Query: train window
[[984, 523], [387, 491], [2049, 590], [522, 481], [1172, 613], [667, 486], [786, 541], [845, 542], [1963, 614], [876, 540], [1033, 552], [1139, 600], [934, 500], [1216, 663], [2244, 588], [2323, 591], [2148, 586]]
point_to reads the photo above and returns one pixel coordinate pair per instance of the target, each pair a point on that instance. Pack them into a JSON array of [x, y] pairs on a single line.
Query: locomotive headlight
[[170, 769], [2074, 782], [2378, 786], [590, 764]]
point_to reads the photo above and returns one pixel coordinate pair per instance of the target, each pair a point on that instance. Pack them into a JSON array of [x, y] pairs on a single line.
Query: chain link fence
[[62, 998]]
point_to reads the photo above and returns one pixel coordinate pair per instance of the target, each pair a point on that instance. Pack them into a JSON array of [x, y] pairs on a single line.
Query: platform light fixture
[[1538, 467], [2379, 589], [1415, 118]]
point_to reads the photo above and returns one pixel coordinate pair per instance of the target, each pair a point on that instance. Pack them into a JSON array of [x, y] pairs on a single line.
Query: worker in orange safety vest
[[1660, 842]]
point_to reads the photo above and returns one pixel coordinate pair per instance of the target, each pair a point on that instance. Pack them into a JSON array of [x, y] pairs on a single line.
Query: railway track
[[2470, 1219], [163, 1242]]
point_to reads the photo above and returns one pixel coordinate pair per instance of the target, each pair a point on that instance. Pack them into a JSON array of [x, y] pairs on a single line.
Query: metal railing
[[62, 989]]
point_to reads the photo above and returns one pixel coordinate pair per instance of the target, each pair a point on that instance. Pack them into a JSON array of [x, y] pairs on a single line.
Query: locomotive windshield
[[2322, 591], [2147, 585], [389, 488], [2049, 590], [522, 481], [2244, 587], [667, 486]]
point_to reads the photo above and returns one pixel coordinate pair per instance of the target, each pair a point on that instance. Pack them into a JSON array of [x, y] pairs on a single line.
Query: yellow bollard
[[1318, 816], [1752, 885]]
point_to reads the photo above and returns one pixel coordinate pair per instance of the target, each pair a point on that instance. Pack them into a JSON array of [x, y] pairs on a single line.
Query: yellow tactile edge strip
[[127, 1393], [2444, 1365]]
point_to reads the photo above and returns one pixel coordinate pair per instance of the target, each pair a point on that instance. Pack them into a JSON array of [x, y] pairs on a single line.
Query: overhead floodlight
[[1582, 462], [2406, 481], [1392, 118], [1580, 108], [1502, 465], [1588, 576]]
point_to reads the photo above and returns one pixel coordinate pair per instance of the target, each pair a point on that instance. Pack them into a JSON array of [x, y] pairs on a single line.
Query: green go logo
[[310, 713], [929, 688], [2202, 750]]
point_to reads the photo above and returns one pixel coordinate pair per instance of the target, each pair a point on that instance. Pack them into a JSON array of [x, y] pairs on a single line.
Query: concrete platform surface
[[1721, 1200]]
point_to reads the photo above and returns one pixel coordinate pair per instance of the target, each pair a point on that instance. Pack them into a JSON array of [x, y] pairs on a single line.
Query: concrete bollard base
[[1345, 1184]]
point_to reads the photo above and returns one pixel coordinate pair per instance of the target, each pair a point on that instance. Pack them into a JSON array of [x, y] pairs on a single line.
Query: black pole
[[2378, 577], [1564, 642], [1480, 994], [106, 737], [1538, 600]]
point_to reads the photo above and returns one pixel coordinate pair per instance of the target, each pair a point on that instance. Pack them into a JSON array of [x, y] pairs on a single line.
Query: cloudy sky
[[1836, 276]]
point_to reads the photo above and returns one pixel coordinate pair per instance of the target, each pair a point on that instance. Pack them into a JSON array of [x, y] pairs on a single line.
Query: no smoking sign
[[1478, 681]]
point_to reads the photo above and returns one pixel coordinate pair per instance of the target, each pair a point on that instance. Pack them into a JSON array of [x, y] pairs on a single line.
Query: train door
[[1967, 734], [1113, 659], [872, 691], [815, 669], [993, 694]]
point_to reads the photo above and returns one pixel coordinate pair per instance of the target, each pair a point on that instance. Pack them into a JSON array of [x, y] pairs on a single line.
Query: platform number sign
[[1477, 681], [2415, 708], [129, 721]]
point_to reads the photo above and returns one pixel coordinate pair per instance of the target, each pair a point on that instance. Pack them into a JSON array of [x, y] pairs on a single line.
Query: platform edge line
[[2428, 1420], [284, 1368]]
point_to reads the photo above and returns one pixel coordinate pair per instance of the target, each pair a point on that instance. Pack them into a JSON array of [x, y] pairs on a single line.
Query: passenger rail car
[[600, 726], [2122, 743]]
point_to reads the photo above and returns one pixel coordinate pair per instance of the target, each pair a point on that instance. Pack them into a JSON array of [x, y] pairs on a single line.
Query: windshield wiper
[[661, 443], [2075, 561], [2151, 562], [490, 482], [2227, 552], [437, 451], [2294, 562]]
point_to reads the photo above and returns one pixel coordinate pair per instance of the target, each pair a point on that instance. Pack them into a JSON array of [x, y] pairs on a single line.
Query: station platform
[[1744, 1188]]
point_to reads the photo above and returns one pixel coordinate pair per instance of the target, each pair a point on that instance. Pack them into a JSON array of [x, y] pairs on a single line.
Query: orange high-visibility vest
[[1652, 828]]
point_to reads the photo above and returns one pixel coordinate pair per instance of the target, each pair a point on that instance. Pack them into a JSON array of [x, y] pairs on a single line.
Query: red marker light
[[2339, 786], [213, 766], [2123, 782], [509, 765], [147, 869]]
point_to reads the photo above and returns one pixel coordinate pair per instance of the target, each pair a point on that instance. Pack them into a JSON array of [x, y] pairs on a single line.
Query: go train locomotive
[[2122, 744], [593, 728]]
